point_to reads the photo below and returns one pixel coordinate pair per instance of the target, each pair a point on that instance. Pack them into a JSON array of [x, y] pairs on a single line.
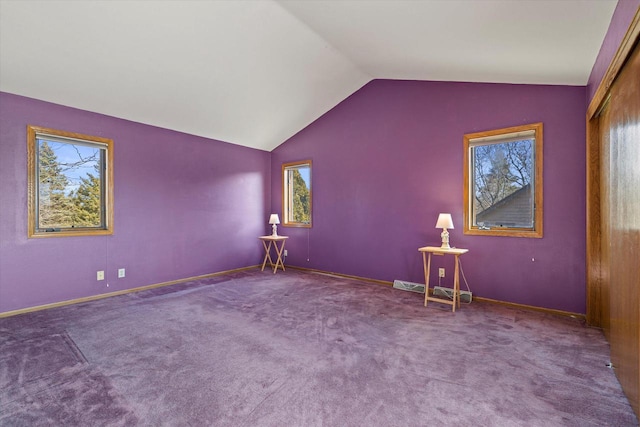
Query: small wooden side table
[[435, 250], [273, 240]]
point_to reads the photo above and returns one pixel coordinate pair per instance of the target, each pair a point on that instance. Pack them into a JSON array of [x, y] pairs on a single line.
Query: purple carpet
[[302, 349]]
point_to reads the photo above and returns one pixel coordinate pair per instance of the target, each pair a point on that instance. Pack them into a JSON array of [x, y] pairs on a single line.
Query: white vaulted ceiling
[[256, 72]]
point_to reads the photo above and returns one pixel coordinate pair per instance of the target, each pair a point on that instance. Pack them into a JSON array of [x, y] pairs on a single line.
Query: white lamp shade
[[274, 219], [444, 221]]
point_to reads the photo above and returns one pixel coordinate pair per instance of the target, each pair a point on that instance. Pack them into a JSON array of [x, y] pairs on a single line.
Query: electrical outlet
[[120, 273], [286, 252], [100, 275], [441, 272]]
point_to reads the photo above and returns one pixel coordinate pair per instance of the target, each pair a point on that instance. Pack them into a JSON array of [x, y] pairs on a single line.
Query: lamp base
[[445, 239], [275, 231]]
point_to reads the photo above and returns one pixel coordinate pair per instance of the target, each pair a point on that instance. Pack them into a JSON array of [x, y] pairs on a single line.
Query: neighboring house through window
[[70, 183], [503, 182]]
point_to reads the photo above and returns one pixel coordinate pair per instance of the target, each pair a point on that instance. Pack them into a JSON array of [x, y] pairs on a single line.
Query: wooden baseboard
[[532, 307], [116, 293], [345, 276], [309, 270], [475, 298]]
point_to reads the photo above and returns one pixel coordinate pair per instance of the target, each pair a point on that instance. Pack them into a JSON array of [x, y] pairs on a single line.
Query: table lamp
[[444, 222], [273, 219]]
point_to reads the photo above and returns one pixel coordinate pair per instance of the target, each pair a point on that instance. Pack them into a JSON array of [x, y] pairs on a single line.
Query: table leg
[[279, 260], [427, 268], [456, 284], [267, 249]]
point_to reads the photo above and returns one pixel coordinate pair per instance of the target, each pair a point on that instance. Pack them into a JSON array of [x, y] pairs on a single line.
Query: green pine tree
[[87, 202], [53, 204], [301, 199]]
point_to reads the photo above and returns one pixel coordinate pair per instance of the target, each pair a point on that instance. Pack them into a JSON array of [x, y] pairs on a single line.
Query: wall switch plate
[[441, 272], [286, 252], [120, 273], [100, 275]]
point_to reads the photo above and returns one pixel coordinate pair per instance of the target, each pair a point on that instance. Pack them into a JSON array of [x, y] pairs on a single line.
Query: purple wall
[[184, 206], [622, 17], [388, 159]]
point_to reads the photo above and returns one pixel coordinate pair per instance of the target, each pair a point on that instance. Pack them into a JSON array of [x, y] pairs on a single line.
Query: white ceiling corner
[[497, 41], [255, 72]]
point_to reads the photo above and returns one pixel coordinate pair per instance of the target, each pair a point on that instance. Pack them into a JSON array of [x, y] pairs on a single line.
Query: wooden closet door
[[605, 194], [620, 204]]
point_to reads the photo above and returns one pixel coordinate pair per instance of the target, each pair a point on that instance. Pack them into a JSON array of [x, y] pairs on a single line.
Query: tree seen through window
[[70, 183], [301, 211], [297, 193], [503, 182], [500, 172], [69, 194]]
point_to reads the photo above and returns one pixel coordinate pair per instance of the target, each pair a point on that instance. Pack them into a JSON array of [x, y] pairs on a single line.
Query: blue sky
[[67, 153], [305, 172]]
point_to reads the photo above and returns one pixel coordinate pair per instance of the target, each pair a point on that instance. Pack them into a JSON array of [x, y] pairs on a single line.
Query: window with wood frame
[[296, 195], [503, 182], [70, 181]]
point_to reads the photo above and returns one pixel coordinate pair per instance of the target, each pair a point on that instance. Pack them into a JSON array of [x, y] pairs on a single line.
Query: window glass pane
[[70, 185], [297, 194], [502, 184]]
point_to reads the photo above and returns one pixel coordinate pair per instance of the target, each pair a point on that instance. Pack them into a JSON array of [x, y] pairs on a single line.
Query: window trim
[[285, 217], [537, 230], [32, 183]]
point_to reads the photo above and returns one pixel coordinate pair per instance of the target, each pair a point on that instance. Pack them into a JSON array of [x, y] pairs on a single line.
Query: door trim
[[593, 223]]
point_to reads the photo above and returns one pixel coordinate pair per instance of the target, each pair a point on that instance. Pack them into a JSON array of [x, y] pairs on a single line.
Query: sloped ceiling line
[[256, 72]]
